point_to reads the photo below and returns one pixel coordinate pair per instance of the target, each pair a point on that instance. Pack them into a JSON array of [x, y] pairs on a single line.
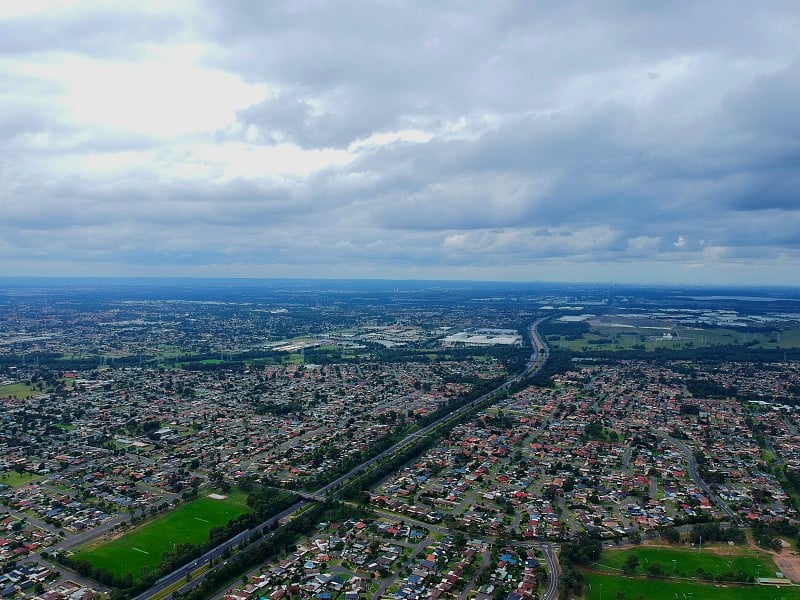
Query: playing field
[[612, 587], [144, 547], [17, 390], [14, 479], [679, 582], [684, 562]]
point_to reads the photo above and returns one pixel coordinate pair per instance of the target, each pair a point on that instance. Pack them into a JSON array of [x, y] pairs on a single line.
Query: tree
[[672, 535], [655, 570], [584, 550], [216, 477], [631, 564], [246, 483]]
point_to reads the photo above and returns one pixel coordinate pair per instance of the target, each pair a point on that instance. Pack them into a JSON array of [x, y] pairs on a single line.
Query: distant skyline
[[507, 141]]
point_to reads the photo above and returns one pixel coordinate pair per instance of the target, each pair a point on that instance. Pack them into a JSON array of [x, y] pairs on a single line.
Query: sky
[[647, 142]]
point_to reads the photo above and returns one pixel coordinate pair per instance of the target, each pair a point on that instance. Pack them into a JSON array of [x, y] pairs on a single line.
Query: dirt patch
[[724, 550], [721, 549], [789, 564], [217, 496]]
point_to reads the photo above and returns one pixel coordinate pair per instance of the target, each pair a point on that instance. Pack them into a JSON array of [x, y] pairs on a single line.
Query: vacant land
[[144, 547]]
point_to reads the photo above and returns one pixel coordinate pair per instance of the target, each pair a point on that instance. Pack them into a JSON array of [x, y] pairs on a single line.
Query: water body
[[745, 298]]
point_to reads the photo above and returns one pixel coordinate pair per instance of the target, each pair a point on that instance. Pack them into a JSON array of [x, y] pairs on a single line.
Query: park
[[145, 546]]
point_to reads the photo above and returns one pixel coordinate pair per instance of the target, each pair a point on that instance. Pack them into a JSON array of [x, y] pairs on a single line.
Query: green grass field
[[18, 390], [15, 480], [688, 561], [680, 566], [167, 351], [294, 359], [613, 587], [144, 547], [609, 337]]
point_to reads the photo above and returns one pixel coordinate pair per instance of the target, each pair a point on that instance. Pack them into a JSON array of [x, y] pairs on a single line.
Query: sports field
[[15, 480], [17, 390], [613, 587], [684, 562], [144, 546], [679, 581]]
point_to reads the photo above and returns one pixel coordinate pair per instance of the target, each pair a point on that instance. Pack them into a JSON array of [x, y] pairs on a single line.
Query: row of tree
[[276, 543]]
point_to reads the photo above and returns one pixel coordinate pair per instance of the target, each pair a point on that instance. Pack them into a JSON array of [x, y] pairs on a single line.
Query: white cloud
[[507, 141], [157, 98], [259, 162], [390, 137]]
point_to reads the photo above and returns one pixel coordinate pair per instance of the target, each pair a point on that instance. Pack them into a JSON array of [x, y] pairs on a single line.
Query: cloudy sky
[[532, 140]]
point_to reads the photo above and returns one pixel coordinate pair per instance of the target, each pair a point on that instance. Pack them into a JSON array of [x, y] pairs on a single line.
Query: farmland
[[611, 335]]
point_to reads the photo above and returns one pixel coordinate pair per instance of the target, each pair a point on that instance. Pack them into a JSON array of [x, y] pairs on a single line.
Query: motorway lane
[[549, 551]]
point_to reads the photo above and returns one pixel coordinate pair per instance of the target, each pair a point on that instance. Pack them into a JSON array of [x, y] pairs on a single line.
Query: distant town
[[397, 440]]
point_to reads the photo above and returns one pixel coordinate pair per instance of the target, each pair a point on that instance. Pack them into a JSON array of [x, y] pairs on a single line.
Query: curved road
[[553, 572], [695, 475]]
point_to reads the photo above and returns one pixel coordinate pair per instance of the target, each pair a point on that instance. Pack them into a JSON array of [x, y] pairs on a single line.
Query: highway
[[537, 360]]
